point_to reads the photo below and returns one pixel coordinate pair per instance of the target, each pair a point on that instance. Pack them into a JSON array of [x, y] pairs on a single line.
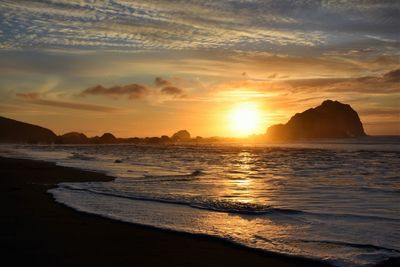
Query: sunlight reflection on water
[[303, 201]]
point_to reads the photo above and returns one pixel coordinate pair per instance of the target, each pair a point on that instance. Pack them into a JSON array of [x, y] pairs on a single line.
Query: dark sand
[[37, 231]]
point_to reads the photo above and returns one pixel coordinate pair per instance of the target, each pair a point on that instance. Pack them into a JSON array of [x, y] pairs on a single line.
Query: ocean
[[333, 200]]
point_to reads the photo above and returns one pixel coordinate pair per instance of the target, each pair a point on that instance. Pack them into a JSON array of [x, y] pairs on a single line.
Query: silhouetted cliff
[[331, 119], [12, 131]]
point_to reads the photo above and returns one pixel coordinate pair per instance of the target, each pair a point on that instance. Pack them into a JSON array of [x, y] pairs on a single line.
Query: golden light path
[[245, 119]]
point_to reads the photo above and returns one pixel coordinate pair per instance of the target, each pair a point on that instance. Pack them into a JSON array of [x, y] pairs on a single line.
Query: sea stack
[[73, 138], [107, 138], [182, 135], [331, 119]]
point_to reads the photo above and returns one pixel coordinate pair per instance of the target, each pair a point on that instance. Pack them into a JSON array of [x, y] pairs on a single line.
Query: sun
[[245, 119]]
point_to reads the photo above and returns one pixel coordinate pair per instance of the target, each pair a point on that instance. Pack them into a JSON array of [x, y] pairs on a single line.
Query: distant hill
[[331, 119], [12, 131], [72, 138]]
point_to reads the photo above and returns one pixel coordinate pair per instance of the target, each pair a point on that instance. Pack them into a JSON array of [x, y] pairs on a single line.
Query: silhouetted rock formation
[[107, 138], [181, 135], [12, 131], [331, 119], [165, 139], [153, 140], [73, 138]]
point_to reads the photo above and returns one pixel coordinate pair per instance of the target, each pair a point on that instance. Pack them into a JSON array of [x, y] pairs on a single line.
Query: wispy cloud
[[383, 84], [392, 76], [133, 91], [34, 98], [173, 25]]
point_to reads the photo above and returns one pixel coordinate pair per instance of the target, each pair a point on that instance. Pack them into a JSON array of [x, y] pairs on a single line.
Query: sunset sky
[[147, 68]]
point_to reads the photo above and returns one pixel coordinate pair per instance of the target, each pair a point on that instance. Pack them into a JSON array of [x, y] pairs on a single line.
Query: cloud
[[28, 96], [392, 76], [172, 90], [384, 112], [172, 25], [137, 91], [34, 98], [381, 84], [272, 76], [139, 25], [133, 91], [159, 82], [168, 87]]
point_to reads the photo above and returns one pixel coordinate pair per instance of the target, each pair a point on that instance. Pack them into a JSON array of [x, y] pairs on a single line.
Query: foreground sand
[[37, 231]]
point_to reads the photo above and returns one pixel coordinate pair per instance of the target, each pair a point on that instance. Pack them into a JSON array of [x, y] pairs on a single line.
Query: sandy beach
[[37, 231]]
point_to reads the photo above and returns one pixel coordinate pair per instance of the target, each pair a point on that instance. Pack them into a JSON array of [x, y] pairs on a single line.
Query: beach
[[37, 231]]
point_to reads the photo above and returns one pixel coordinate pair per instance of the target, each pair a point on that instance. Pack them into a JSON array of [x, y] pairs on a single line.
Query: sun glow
[[245, 119]]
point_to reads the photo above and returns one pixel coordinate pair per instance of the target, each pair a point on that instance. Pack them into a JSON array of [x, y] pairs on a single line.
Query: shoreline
[[37, 230]]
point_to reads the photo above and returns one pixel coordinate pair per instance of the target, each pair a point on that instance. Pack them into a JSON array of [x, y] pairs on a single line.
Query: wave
[[197, 173], [175, 177], [364, 255], [211, 205], [80, 156], [228, 206], [242, 208], [381, 190], [354, 245], [341, 216]]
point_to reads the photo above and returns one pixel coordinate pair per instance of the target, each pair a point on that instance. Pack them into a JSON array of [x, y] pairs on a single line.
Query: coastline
[[38, 231]]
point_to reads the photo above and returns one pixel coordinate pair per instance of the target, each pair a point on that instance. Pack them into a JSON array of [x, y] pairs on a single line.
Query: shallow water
[[331, 200]]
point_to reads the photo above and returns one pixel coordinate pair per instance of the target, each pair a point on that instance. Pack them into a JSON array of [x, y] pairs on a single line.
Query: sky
[[148, 68]]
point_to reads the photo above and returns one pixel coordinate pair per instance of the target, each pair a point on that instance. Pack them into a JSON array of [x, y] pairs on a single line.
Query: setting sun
[[245, 119]]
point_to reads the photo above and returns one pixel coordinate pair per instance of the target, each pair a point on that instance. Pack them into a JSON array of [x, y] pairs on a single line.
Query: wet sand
[[37, 231]]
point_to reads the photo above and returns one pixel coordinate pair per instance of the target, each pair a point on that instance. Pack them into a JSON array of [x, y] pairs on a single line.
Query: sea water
[[337, 201]]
